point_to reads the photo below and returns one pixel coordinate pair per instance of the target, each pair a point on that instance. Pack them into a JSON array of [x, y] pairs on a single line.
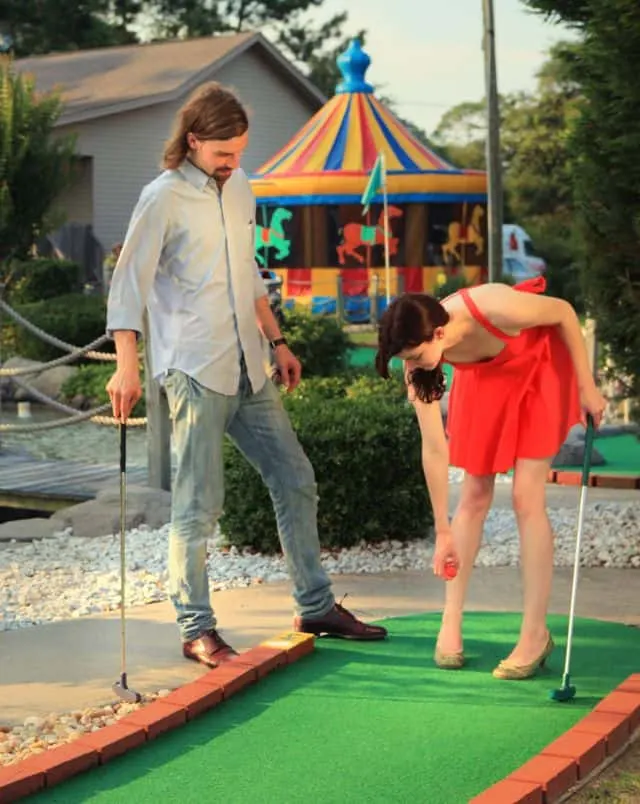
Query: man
[[188, 258]]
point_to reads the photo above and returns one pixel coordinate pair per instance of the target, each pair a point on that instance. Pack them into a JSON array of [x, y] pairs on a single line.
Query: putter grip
[[588, 446], [123, 446]]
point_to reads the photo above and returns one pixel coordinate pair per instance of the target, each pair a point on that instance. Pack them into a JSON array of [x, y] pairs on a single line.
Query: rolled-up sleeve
[[138, 262]]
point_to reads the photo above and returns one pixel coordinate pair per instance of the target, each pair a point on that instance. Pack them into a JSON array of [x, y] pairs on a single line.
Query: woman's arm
[[435, 460], [435, 464]]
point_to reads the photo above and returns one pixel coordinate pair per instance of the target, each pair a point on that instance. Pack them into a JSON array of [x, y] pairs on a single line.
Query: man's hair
[[212, 112]]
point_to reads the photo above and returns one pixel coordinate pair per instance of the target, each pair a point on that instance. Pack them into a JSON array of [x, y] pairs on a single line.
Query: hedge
[[366, 451]]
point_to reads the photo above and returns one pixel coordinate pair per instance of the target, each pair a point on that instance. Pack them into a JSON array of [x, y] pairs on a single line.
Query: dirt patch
[[619, 784]]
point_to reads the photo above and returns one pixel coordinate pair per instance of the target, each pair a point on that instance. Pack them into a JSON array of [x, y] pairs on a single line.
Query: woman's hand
[[594, 403], [445, 553]]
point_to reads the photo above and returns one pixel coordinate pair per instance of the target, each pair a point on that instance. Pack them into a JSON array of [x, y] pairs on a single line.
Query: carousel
[[313, 231]]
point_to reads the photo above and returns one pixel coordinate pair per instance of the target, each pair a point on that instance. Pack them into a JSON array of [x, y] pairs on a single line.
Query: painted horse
[[274, 236], [356, 235], [461, 235]]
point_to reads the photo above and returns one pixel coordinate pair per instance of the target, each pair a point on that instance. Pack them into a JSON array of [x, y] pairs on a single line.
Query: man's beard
[[222, 175]]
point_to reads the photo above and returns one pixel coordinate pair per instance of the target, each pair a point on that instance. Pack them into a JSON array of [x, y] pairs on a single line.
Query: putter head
[[123, 692], [567, 693]]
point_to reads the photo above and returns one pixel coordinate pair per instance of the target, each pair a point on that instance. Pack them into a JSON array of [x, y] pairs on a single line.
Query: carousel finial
[[353, 64]]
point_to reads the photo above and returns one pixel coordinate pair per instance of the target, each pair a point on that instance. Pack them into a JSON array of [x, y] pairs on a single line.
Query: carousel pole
[[494, 167], [385, 207]]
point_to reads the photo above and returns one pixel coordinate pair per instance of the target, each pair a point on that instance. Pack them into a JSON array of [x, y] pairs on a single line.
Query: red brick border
[[565, 478], [581, 752], [544, 779], [57, 764]]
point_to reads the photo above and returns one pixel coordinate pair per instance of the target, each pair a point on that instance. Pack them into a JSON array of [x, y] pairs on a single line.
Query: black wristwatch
[[278, 342]]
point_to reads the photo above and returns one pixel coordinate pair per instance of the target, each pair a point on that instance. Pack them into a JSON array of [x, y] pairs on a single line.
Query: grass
[[619, 784], [364, 337]]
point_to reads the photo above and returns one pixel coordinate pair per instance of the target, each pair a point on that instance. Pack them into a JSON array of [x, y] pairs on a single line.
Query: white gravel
[[65, 577]]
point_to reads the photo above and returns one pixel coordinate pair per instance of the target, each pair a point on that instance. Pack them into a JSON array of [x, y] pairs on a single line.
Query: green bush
[[451, 285], [90, 381], [37, 280], [319, 342], [366, 453], [74, 318]]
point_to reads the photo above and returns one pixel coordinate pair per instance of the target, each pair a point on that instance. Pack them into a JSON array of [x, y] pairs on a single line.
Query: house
[[120, 103]]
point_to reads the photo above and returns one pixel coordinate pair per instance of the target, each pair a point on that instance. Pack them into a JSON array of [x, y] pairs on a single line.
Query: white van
[[519, 258]]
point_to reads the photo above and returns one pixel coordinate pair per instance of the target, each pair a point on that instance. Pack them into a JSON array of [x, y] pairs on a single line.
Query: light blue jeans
[[259, 426]]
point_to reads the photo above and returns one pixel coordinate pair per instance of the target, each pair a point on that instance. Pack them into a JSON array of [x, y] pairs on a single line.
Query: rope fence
[[72, 416]]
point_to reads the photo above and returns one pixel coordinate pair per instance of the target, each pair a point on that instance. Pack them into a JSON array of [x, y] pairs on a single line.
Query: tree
[[461, 135], [44, 26], [536, 162], [35, 165], [539, 173], [605, 142]]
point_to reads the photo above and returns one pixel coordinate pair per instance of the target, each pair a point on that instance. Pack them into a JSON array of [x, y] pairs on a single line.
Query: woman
[[522, 380]]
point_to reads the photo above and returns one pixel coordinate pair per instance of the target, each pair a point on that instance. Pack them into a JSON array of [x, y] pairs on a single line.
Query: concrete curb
[[58, 764], [596, 480], [583, 751]]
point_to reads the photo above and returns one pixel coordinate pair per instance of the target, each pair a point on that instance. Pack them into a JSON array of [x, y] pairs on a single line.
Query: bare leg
[[536, 551], [467, 526]]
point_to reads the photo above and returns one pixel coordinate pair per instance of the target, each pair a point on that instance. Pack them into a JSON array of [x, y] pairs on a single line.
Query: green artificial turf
[[371, 722], [621, 453]]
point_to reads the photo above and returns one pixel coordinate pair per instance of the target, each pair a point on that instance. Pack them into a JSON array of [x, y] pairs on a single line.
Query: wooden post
[[339, 299], [158, 425], [373, 300]]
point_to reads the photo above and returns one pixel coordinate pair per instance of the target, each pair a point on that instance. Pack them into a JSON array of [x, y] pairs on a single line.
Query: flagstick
[[386, 227]]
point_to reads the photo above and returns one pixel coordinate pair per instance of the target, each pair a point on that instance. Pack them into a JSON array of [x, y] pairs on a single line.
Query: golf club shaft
[[123, 522], [586, 467], [574, 585]]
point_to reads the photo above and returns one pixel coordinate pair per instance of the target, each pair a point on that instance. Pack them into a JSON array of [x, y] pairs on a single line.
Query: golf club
[[120, 687], [567, 691]]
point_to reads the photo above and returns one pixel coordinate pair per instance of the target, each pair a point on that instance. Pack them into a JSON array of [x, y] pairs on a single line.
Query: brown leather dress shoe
[[209, 648], [338, 622]]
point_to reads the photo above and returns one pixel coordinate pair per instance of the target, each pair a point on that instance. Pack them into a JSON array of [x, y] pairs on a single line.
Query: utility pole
[[494, 167]]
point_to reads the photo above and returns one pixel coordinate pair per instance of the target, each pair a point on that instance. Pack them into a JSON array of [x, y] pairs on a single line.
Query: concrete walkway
[[71, 665]]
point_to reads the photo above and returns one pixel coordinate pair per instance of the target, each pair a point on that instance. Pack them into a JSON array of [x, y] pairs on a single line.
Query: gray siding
[[127, 148], [76, 201]]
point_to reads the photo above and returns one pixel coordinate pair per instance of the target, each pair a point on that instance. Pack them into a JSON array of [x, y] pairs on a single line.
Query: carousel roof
[[329, 160]]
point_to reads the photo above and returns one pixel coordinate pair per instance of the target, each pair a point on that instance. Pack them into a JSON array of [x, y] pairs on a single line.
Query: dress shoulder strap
[[481, 317]]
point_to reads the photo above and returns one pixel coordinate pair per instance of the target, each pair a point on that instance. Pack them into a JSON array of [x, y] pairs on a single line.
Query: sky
[[427, 54]]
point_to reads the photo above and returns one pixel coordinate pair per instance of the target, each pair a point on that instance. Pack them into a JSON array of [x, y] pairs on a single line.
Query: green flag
[[374, 185]]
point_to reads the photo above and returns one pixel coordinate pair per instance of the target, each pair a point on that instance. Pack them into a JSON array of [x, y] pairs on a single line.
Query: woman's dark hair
[[407, 322]]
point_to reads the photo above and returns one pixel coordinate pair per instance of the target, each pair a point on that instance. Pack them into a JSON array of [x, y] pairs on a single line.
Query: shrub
[[451, 285], [74, 318], [37, 280], [366, 452], [319, 342]]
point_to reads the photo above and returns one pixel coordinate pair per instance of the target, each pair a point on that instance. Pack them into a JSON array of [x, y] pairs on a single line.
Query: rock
[[48, 382], [572, 454], [26, 530], [617, 429], [101, 517]]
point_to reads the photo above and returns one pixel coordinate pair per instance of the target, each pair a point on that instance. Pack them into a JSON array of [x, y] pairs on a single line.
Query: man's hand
[[124, 389], [288, 366]]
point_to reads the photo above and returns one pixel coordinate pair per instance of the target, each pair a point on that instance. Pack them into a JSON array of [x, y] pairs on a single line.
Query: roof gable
[[103, 81]]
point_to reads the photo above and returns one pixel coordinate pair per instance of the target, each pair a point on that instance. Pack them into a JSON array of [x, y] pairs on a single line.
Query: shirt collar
[[197, 177]]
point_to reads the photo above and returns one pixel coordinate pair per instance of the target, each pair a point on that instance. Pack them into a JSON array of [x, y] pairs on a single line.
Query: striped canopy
[[330, 158]]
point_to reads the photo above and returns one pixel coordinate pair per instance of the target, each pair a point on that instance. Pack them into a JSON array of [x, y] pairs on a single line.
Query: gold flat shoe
[[449, 661], [518, 672]]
